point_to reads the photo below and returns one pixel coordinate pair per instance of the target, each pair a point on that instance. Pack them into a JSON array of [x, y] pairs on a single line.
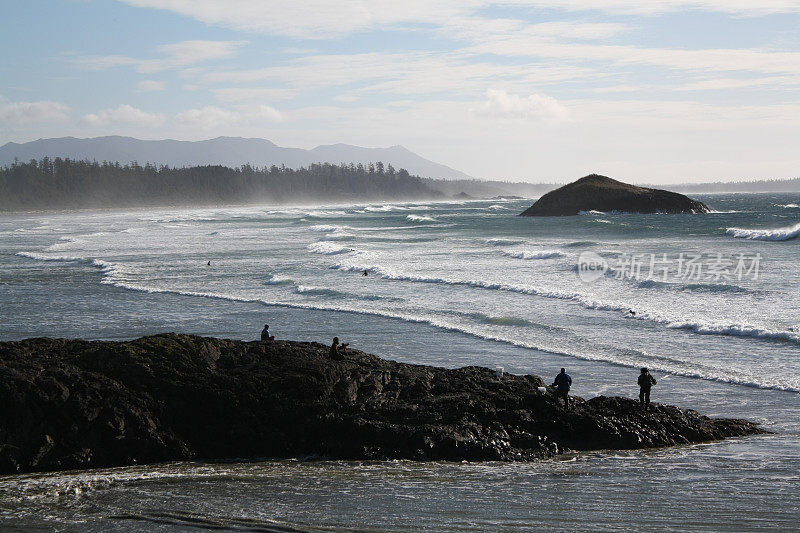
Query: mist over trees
[[65, 184]]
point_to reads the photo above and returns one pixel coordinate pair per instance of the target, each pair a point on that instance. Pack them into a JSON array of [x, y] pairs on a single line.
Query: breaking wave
[[385, 208], [740, 330], [684, 368], [534, 254], [420, 218], [777, 234], [325, 228], [272, 279], [504, 242], [328, 248]]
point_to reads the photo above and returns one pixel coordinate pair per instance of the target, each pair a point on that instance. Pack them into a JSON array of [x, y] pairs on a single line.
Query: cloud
[[192, 52], [124, 114], [212, 117], [240, 94], [175, 55], [658, 7], [150, 85], [718, 84], [618, 89], [500, 104], [323, 19], [14, 114], [310, 19]]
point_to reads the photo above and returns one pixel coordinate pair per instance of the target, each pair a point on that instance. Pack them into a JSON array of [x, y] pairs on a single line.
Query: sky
[[533, 90]]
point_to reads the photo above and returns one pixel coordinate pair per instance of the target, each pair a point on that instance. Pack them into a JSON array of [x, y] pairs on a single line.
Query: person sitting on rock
[[563, 381], [337, 350], [265, 336], [646, 381]]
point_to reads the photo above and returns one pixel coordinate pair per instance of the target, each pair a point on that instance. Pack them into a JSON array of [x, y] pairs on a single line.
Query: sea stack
[[601, 193]]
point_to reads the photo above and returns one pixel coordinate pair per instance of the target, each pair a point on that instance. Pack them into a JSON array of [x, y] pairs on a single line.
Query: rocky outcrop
[[601, 193], [79, 404]]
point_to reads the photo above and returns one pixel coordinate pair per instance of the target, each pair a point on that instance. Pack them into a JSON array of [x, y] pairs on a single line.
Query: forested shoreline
[[71, 184]]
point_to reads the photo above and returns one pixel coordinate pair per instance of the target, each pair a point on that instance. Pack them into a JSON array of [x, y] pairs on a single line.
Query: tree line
[[66, 183]]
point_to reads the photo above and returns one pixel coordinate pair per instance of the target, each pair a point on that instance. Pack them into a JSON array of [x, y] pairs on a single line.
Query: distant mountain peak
[[227, 151]]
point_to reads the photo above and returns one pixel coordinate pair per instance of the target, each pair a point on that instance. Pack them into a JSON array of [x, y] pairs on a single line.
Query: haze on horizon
[[537, 90]]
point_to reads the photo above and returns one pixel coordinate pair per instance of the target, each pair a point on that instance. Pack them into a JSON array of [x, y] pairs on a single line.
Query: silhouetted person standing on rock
[[337, 351], [265, 336], [563, 382], [646, 381]]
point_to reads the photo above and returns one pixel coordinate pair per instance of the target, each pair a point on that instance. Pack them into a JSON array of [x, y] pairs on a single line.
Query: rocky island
[[601, 193], [68, 404]]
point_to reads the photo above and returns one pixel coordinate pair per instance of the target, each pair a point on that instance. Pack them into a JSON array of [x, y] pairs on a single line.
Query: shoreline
[[87, 404]]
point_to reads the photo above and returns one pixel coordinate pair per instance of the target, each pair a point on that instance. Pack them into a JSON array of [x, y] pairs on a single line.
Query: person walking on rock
[[646, 382], [563, 381]]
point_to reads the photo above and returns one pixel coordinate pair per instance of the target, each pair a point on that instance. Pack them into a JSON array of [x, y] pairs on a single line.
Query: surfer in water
[[209, 262], [366, 272], [631, 312]]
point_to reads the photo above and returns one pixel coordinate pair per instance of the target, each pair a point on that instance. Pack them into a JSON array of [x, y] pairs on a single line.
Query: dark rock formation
[[78, 404], [600, 193]]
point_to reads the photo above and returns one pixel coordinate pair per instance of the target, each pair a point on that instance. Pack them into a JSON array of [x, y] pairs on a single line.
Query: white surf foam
[[703, 328], [737, 330], [504, 242], [328, 248], [326, 213], [325, 228], [420, 218], [272, 279], [533, 254], [49, 257], [385, 208], [777, 234], [671, 366]]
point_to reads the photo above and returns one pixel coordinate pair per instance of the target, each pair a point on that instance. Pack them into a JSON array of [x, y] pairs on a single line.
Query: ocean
[[709, 302]]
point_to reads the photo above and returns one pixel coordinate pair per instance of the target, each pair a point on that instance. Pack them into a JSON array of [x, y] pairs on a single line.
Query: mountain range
[[226, 151]]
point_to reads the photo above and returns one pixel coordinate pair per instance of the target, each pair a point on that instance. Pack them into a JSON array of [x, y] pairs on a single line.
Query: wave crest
[[328, 248], [777, 234], [420, 218], [504, 242], [533, 254]]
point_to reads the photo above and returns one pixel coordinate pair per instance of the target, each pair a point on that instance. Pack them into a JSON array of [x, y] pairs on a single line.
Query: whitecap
[[504, 242], [49, 257], [777, 234], [533, 254], [325, 228], [420, 218], [328, 248], [385, 208]]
